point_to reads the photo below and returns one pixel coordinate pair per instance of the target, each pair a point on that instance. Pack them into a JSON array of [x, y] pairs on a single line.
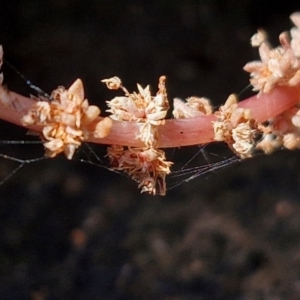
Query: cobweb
[[199, 161], [189, 163]]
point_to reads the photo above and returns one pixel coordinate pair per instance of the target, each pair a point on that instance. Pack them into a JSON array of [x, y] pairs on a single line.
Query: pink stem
[[175, 133]]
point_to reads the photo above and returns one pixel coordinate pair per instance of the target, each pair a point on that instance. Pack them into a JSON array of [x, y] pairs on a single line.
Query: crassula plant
[[136, 130]]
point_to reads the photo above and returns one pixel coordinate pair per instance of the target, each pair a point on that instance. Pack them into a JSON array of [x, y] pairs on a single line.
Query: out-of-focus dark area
[[70, 230]]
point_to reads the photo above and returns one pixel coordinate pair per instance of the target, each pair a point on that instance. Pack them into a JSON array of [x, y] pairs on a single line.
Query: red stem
[[175, 133]]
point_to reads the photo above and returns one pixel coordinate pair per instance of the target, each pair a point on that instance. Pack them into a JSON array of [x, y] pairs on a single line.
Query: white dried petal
[[113, 83], [295, 79], [258, 38], [182, 110], [145, 93], [156, 115], [102, 128], [296, 121], [76, 91], [269, 143], [125, 109], [73, 132], [189, 109], [69, 150], [230, 104], [291, 141], [68, 119], [222, 131], [295, 17], [91, 113], [28, 119], [295, 34], [239, 115], [295, 42], [200, 104], [43, 109], [243, 148], [54, 145]]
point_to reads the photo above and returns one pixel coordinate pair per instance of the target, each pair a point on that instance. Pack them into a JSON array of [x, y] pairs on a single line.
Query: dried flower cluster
[[65, 120], [235, 127], [279, 66], [193, 107], [147, 165], [282, 131]]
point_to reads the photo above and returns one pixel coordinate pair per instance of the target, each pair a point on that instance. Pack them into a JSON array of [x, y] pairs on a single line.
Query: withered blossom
[[139, 106], [258, 38], [243, 136], [287, 125], [278, 67], [291, 140], [269, 142], [193, 107], [146, 165], [235, 127], [283, 131], [113, 83], [65, 120]]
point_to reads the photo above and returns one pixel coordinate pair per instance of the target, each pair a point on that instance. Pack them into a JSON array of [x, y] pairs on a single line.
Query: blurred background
[[71, 230]]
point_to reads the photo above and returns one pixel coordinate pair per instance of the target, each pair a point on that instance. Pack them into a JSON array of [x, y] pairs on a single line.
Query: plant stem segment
[[175, 132]]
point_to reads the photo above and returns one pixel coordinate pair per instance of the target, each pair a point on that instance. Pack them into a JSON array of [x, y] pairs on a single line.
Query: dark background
[[69, 230]]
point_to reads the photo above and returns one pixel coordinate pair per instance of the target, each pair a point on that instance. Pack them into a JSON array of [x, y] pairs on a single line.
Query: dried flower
[[269, 142], [287, 126], [146, 165], [139, 106], [291, 140], [279, 66], [65, 120], [244, 136], [235, 127], [113, 83], [194, 107], [282, 131], [258, 38]]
